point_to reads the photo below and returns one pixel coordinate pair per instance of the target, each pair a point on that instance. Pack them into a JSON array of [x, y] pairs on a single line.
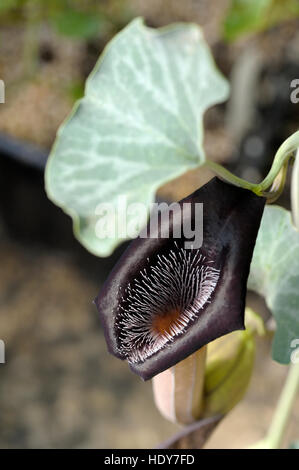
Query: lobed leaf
[[138, 126], [274, 274]]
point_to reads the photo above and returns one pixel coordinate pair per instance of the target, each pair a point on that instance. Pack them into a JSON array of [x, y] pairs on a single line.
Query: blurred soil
[[60, 387]]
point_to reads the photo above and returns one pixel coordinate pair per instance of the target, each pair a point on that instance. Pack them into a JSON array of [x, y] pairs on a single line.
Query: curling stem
[[275, 179]]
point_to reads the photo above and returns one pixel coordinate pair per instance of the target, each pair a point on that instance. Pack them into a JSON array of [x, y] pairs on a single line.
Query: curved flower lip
[[231, 219]]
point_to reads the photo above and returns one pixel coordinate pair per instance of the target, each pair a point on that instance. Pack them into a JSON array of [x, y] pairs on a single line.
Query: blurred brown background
[[59, 387]]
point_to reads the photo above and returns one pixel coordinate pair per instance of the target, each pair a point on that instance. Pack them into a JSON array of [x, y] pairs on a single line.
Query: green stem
[[230, 177], [282, 413], [284, 407], [275, 177]]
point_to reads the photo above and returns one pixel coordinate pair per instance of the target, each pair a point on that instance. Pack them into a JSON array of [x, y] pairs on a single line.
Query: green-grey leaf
[[275, 275], [251, 16], [138, 126], [76, 23]]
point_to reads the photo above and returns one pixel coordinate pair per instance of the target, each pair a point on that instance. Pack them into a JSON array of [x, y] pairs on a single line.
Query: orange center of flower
[[162, 323]]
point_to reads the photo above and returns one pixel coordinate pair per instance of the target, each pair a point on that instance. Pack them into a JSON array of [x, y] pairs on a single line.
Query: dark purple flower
[[162, 301]]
